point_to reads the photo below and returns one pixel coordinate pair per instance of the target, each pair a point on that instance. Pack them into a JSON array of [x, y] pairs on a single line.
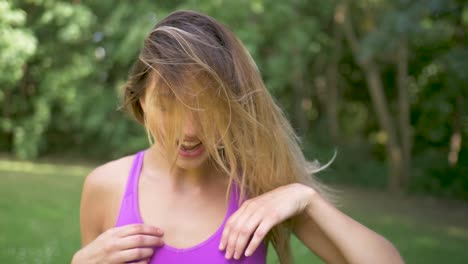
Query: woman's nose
[[190, 129]]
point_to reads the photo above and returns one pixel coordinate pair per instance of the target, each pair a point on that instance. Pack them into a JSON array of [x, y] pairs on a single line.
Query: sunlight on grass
[[457, 232], [48, 253], [34, 168], [426, 241]]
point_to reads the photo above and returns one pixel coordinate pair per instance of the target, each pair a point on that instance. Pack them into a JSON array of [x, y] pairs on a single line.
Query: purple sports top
[[204, 252]]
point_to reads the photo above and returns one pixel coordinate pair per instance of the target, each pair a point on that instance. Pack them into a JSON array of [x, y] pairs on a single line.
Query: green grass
[[39, 212], [39, 218]]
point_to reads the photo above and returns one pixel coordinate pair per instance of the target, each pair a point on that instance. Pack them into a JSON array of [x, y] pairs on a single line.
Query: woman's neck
[[180, 178]]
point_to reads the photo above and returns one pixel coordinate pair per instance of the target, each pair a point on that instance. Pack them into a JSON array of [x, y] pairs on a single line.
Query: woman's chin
[[191, 162]]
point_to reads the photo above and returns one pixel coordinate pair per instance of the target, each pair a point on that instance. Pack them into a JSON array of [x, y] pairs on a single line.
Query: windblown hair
[[191, 65]]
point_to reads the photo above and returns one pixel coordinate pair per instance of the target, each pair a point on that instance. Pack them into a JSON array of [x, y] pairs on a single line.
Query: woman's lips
[[191, 150], [190, 146]]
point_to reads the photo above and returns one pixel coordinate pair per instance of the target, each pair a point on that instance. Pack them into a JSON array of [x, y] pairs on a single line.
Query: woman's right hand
[[130, 243]]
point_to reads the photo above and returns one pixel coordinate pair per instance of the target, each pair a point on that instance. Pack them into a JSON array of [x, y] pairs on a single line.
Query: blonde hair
[[196, 66]]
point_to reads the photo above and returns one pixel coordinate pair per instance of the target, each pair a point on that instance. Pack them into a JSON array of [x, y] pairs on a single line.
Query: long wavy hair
[[190, 64]]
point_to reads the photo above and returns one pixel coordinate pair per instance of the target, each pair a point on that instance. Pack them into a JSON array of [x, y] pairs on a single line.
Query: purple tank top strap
[[132, 181], [127, 212]]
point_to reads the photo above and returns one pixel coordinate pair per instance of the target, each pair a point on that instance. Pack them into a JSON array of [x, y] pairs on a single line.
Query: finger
[[145, 261], [246, 233], [136, 241], [227, 227], [236, 228], [134, 254], [142, 229], [259, 235]]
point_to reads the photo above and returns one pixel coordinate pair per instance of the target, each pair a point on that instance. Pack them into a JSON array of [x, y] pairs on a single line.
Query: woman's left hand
[[257, 216]]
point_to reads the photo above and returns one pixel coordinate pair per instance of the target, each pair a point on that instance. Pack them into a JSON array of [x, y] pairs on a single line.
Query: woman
[[225, 175]]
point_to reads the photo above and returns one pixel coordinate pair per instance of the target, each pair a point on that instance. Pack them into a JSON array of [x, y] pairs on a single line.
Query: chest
[[187, 219]]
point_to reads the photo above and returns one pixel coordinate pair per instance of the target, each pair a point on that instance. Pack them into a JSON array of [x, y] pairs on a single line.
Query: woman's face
[[192, 153]]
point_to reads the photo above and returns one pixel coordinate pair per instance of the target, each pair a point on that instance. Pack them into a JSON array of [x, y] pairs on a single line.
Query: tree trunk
[[332, 76], [379, 101], [404, 106], [380, 104], [456, 138], [299, 97]]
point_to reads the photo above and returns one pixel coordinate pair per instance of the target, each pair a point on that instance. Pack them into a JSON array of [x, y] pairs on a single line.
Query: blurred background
[[385, 83]]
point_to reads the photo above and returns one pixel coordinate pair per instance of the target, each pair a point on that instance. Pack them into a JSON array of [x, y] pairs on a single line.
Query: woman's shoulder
[[103, 189], [109, 174]]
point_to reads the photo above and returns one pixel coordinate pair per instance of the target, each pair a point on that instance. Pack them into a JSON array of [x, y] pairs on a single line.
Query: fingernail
[[221, 246]]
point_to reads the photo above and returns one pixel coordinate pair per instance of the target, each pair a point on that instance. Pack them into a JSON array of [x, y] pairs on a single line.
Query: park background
[[384, 83]]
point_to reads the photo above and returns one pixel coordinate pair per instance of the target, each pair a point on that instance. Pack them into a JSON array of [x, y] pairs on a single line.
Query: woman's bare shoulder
[[103, 188], [110, 174]]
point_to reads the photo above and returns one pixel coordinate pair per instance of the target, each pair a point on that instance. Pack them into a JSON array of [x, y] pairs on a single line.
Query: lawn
[[39, 218]]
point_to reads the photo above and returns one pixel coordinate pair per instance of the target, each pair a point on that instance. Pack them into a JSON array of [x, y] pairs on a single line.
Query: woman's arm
[[337, 238], [92, 206], [332, 235], [115, 245]]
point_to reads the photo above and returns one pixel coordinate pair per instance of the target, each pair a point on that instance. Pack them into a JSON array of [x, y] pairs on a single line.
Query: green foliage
[[63, 64], [16, 45]]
